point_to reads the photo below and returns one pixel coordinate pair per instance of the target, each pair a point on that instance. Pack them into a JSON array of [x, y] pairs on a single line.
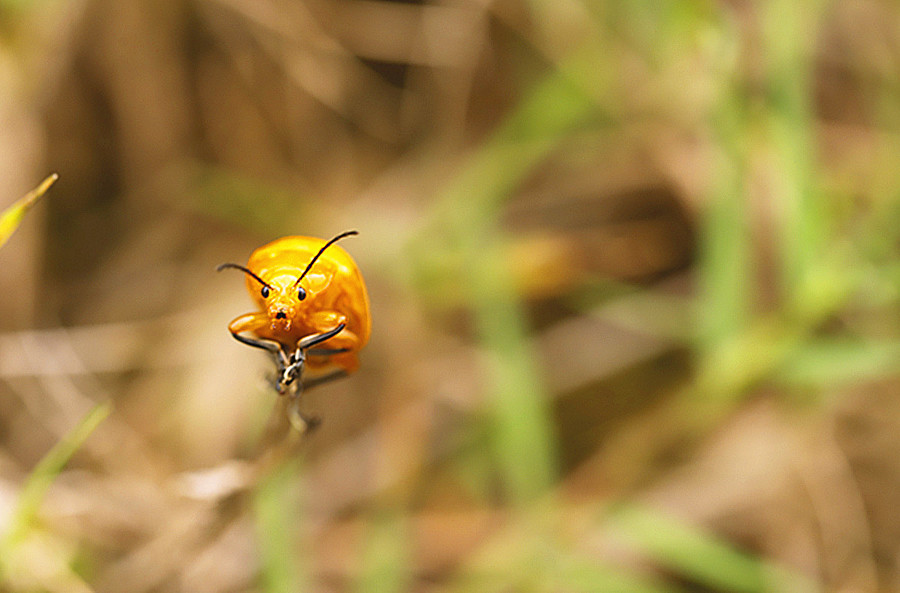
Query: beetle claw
[[291, 373]]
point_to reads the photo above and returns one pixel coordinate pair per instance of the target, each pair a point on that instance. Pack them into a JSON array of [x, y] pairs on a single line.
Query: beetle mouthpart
[[281, 325], [280, 318]]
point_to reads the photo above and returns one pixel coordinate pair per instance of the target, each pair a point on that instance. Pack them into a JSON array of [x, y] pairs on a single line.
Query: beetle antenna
[[324, 247], [244, 270]]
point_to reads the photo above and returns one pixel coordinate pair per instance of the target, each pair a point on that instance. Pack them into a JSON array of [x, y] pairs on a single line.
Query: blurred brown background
[[618, 253]]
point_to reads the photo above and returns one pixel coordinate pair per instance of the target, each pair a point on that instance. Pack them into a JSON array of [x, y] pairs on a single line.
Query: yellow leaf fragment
[[12, 216]]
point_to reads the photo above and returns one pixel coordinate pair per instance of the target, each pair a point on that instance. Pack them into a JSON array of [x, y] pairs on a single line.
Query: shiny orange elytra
[[311, 299]]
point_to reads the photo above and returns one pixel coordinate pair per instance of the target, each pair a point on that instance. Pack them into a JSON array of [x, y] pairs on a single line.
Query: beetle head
[[282, 302], [283, 294]]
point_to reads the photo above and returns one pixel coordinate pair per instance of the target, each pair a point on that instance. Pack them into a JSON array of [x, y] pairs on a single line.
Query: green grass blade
[[43, 475], [837, 362], [522, 437], [726, 276], [789, 47], [724, 264], [588, 575], [705, 559], [277, 516], [12, 216]]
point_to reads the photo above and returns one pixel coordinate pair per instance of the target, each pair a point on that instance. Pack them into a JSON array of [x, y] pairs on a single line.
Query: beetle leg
[[252, 322], [339, 351], [270, 345], [347, 340], [290, 367], [310, 341]]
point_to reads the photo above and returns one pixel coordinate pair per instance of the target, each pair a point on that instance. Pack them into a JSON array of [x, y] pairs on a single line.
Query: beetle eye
[[301, 293], [265, 292]]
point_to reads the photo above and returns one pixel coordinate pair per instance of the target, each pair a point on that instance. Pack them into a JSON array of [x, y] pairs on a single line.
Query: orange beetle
[[314, 309]]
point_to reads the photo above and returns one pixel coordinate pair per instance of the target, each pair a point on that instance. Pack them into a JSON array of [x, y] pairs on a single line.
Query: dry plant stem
[[282, 438]]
